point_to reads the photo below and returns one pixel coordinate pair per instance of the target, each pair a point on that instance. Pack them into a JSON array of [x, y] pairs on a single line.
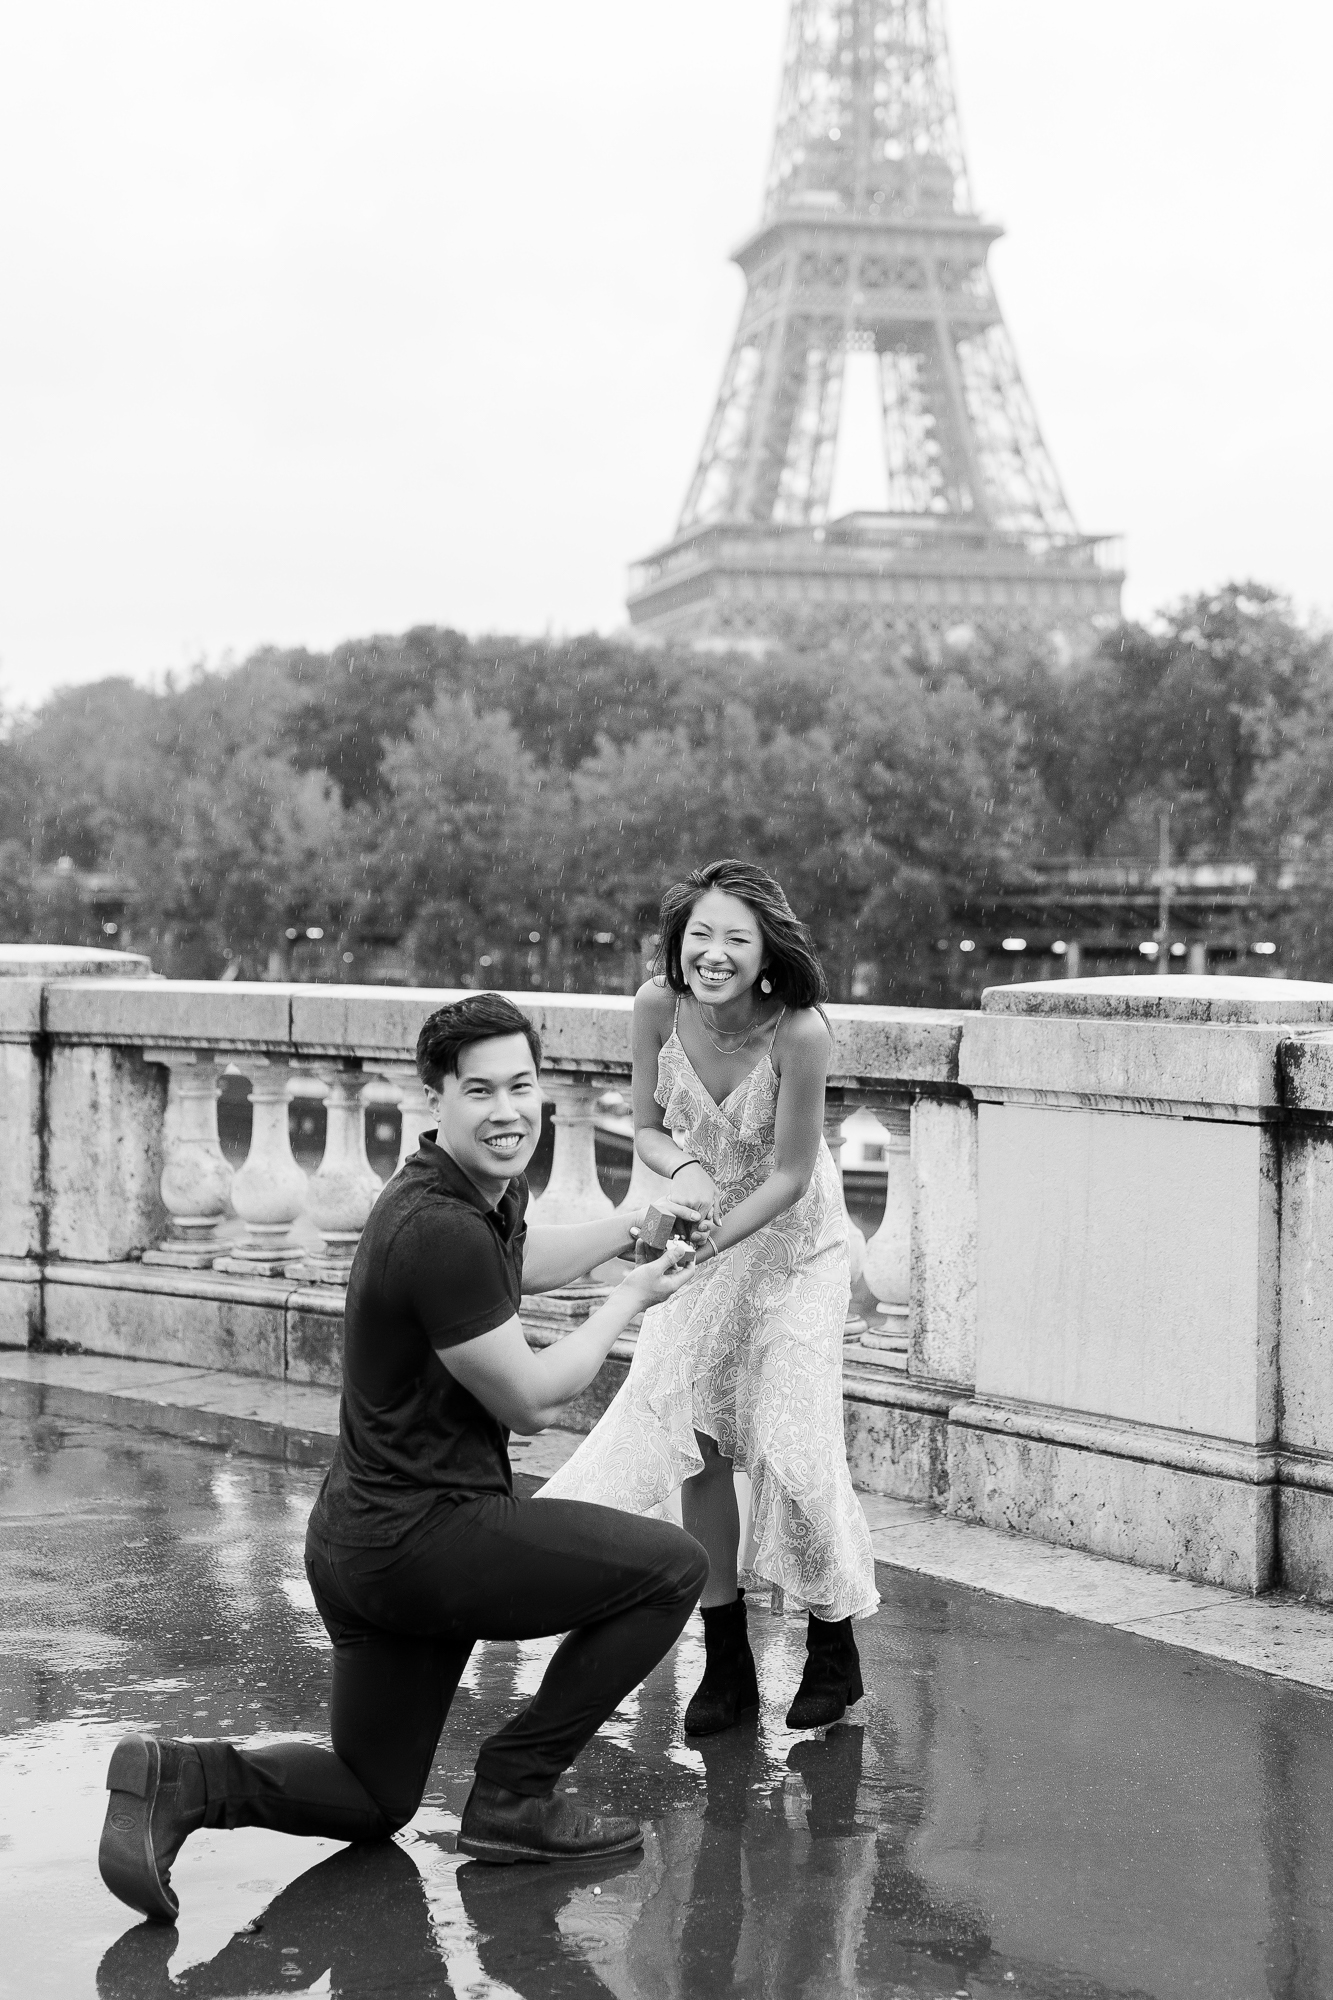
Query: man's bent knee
[[391, 1814], [691, 1568], [673, 1566]]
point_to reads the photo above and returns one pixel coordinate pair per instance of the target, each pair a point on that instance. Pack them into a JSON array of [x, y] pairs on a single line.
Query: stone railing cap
[[75, 961], [580, 1031], [1177, 997]]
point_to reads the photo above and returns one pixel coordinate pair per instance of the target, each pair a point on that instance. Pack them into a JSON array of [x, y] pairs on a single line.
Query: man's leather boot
[[503, 1827], [157, 1798], [832, 1677], [730, 1686]]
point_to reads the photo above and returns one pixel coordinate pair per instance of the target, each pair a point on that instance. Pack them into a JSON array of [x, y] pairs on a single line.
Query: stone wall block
[[243, 1336], [1126, 1267], [1221, 1000], [61, 961], [942, 1319], [1195, 1524], [1141, 1063], [315, 1337], [897, 1044], [20, 1150], [589, 1031], [902, 1453], [20, 1303], [1305, 1540], [1306, 1289], [105, 1109], [192, 1013]]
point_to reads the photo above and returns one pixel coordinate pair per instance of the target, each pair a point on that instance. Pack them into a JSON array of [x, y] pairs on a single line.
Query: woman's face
[[722, 950]]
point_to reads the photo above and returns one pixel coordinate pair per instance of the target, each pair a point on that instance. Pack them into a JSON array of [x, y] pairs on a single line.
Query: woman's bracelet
[[681, 1168]]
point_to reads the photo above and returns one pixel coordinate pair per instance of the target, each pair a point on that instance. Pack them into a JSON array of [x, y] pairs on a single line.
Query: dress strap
[[776, 1025], [675, 1018]]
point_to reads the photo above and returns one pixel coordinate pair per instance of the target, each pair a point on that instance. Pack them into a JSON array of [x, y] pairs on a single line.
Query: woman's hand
[[674, 1204], [664, 1276], [694, 1185]]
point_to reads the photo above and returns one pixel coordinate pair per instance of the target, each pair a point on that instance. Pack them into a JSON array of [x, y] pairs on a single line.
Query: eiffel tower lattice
[[870, 241]]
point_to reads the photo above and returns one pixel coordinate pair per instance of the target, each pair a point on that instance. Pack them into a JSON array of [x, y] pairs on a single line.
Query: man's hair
[[482, 1017]]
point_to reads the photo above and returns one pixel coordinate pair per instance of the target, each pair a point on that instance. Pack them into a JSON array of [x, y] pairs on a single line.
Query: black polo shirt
[[435, 1266]]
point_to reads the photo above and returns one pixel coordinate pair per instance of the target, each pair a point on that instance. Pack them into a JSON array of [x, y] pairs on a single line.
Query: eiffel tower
[[870, 241]]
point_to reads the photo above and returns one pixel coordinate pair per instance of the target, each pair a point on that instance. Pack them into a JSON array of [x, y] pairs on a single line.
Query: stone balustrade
[[1097, 1306]]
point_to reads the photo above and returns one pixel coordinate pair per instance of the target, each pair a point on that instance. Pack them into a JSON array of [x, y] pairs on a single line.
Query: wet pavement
[[1024, 1803]]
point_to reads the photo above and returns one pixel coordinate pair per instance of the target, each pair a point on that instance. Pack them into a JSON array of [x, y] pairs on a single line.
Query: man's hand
[[560, 1253], [527, 1390], [661, 1279], [670, 1204]]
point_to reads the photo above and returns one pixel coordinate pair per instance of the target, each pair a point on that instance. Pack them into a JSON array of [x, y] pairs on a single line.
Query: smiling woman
[[743, 1371]]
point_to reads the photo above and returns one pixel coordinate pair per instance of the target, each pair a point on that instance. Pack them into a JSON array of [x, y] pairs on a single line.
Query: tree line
[[505, 811]]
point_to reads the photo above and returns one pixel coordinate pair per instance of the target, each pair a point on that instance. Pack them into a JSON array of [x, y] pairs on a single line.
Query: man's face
[[490, 1114]]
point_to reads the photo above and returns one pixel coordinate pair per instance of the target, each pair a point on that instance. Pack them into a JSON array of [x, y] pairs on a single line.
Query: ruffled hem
[[847, 1577], [637, 1466]]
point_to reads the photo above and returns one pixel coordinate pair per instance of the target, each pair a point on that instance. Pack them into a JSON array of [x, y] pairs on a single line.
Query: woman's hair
[[482, 1017], [790, 960]]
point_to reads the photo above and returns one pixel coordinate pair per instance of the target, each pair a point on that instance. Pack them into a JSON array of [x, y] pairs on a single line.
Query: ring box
[[656, 1230]]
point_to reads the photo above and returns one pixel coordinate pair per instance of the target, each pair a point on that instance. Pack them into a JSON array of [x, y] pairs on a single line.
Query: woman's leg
[[730, 1687], [709, 1511]]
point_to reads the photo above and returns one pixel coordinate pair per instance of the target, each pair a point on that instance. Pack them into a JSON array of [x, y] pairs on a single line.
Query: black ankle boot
[[832, 1677], [157, 1799], [729, 1688]]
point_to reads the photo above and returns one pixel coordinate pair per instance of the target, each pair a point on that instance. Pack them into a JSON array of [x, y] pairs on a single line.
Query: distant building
[[1070, 918]]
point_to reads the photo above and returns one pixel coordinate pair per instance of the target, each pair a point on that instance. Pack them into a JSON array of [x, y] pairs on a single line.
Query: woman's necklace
[[721, 1047]]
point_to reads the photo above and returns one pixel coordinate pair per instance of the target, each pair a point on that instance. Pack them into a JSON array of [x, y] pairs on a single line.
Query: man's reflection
[[361, 1916], [524, 1939]]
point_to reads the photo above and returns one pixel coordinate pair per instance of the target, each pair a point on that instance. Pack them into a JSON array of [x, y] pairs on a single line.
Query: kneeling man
[[417, 1547]]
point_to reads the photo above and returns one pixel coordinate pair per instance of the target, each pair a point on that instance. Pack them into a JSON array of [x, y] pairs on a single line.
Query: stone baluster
[[643, 1189], [888, 1265], [413, 1109], [644, 1184], [196, 1179], [343, 1187], [835, 1111], [269, 1191], [573, 1193]]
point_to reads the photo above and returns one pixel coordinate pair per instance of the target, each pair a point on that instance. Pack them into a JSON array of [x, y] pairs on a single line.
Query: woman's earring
[[766, 985]]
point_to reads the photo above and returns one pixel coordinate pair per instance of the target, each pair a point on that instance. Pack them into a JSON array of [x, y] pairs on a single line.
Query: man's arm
[[527, 1389], [555, 1254]]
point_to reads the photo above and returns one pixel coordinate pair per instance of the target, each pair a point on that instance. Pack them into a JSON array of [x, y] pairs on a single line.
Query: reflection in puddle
[[1022, 1805]]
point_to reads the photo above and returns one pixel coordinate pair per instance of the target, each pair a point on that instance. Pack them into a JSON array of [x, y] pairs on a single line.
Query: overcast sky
[[324, 319]]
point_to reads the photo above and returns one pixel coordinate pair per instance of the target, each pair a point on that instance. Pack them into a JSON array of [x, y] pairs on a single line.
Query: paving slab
[[1286, 1638], [1035, 1572], [294, 1421], [1292, 1641]]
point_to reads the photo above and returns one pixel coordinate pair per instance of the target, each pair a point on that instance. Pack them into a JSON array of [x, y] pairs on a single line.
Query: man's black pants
[[403, 1621]]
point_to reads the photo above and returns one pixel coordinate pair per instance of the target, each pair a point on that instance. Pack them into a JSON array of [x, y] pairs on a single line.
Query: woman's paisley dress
[[750, 1354]]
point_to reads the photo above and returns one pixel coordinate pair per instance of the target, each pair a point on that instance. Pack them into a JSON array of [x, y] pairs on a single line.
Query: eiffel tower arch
[[870, 241]]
